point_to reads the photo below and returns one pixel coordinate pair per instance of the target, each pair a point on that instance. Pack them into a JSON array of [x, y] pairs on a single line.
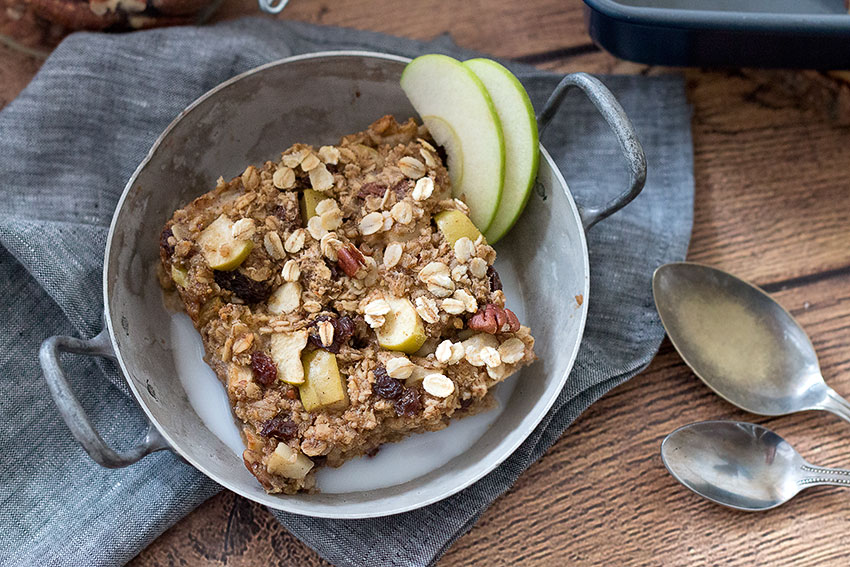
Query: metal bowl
[[248, 119]]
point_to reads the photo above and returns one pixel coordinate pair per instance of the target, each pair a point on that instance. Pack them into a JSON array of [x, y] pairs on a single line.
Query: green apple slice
[[324, 388], [220, 249], [447, 93], [522, 153], [309, 199], [402, 329], [288, 462], [455, 225]]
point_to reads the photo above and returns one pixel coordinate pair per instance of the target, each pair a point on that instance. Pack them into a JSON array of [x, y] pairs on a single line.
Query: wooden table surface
[[772, 150]]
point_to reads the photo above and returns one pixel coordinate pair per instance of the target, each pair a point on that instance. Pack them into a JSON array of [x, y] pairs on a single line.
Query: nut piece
[[295, 242], [423, 189], [350, 259], [412, 167], [320, 178], [250, 178], [512, 350], [284, 178], [493, 319], [326, 333], [392, 254], [464, 249], [329, 155], [427, 309], [438, 385], [290, 272], [371, 223], [273, 245], [399, 367]]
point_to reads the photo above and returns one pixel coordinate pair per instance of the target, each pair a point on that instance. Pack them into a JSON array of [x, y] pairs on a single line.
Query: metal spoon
[[741, 465], [741, 342]]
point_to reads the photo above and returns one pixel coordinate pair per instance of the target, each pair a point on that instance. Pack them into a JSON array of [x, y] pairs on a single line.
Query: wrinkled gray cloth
[[68, 144]]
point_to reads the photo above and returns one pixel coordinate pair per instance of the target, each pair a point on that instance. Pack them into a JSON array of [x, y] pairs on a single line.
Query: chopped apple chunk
[[286, 353], [402, 329], [308, 201], [288, 462], [323, 388], [220, 249], [455, 225]]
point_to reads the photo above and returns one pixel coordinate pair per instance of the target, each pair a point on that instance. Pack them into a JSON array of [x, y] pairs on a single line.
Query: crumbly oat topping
[[301, 289]]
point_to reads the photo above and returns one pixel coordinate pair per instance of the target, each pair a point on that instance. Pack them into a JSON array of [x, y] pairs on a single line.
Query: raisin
[[495, 281], [290, 215], [466, 403], [386, 387], [242, 286], [291, 393], [402, 187], [409, 404], [279, 427], [166, 248], [334, 268], [372, 452], [372, 188], [319, 460], [264, 368], [343, 329]]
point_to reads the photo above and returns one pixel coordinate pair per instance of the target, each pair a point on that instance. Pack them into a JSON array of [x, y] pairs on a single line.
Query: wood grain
[[771, 150]]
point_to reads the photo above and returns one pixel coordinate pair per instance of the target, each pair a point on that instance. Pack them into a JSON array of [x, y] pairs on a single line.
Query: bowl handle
[[73, 413], [616, 118]]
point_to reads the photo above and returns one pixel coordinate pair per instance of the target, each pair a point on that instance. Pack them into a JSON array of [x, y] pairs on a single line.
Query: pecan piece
[[350, 259], [493, 319]]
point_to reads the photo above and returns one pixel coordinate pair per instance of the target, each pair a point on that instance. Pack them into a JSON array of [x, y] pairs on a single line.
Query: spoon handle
[[834, 403], [814, 476]]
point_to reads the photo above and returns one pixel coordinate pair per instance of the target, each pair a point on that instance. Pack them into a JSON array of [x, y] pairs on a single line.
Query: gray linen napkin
[[68, 144]]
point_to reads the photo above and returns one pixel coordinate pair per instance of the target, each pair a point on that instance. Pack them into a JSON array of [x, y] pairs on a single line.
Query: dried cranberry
[[264, 368], [166, 248], [386, 387], [290, 215], [242, 286], [495, 281], [280, 428], [372, 188], [409, 404], [343, 329]]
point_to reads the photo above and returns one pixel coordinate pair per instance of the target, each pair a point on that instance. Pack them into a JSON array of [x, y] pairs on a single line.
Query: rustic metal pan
[[316, 98]]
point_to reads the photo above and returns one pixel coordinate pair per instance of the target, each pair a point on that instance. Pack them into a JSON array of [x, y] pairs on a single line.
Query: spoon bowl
[[741, 342], [741, 465]]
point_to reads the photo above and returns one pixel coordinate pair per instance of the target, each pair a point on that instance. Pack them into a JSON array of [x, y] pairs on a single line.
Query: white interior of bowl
[[250, 119]]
